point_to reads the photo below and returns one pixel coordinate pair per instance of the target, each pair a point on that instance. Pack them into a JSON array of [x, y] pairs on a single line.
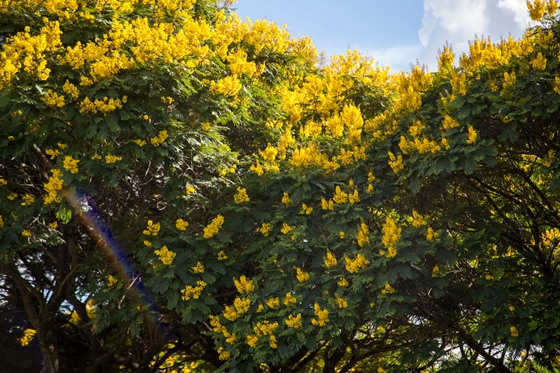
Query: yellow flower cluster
[[240, 306], [53, 99], [363, 235], [327, 205], [111, 159], [28, 200], [387, 289], [193, 292], [294, 321], [513, 331], [165, 255], [152, 229], [357, 264], [286, 228], [341, 302], [395, 162], [301, 275], [431, 235], [322, 315], [217, 326], [214, 227], [305, 209], [286, 199], [53, 186], [160, 138], [70, 164], [330, 260], [265, 229], [181, 224], [391, 236], [289, 299], [198, 268], [472, 135], [273, 303], [104, 106], [27, 337], [241, 196], [228, 86], [417, 220], [243, 285], [261, 329]]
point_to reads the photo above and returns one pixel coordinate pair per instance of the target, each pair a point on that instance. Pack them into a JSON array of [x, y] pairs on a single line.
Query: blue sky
[[395, 32]]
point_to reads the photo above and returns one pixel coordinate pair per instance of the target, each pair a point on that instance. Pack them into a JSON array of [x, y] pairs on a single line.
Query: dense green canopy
[[182, 190]]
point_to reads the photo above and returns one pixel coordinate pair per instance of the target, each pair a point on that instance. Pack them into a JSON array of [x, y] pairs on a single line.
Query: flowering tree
[[185, 190]]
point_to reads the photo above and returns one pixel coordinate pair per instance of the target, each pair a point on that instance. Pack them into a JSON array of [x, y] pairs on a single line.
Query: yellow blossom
[[301, 275], [537, 9], [189, 189], [322, 315], [198, 268], [286, 228], [241, 196], [273, 303], [160, 138], [223, 354], [240, 306], [286, 199], [222, 255], [152, 229], [341, 302], [391, 236], [306, 210], [363, 235], [193, 292], [53, 186], [327, 205], [472, 135], [165, 255], [330, 260], [265, 229], [70, 164], [340, 197], [110, 158], [341, 234], [513, 331], [289, 299], [28, 200], [387, 289], [395, 162], [27, 337], [181, 224], [357, 264], [294, 321], [26, 233], [244, 285], [417, 219], [342, 282], [212, 229], [430, 234]]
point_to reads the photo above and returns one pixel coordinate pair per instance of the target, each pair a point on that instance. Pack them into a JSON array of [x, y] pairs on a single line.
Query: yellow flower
[[240, 306], [165, 255], [26, 233], [391, 236], [341, 302], [273, 303], [537, 9], [430, 234], [3, 182], [357, 264], [265, 229], [472, 135], [212, 229], [189, 189], [340, 197], [286, 199], [110, 158], [289, 299], [181, 224], [193, 292], [396, 163], [152, 229], [306, 210], [286, 228], [327, 205], [1, 222], [342, 282], [322, 315], [160, 138], [363, 235], [330, 260], [198, 268], [301, 275], [70, 164], [294, 321], [243, 285], [241, 196], [228, 86], [27, 337], [252, 340], [223, 354], [387, 289], [417, 219], [513, 331], [222, 255], [341, 234], [53, 186], [28, 200]]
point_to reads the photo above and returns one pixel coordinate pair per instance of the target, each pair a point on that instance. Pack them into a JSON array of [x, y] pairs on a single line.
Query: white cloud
[[456, 22]]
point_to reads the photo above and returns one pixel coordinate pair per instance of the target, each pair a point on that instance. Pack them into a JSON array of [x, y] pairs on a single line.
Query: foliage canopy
[[182, 189]]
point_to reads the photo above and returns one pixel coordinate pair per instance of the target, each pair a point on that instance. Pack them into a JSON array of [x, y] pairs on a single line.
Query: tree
[[258, 211]]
